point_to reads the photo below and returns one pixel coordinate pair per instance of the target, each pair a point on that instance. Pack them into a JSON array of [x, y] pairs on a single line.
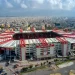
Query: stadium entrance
[[7, 54]]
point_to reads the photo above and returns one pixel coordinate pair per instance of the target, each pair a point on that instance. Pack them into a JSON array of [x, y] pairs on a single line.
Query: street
[[9, 69], [63, 71]]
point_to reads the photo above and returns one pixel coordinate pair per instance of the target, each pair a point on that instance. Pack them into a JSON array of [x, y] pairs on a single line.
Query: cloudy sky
[[37, 7]]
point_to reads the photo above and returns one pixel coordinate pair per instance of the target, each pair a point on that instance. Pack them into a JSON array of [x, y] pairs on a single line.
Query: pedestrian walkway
[[65, 64], [25, 63]]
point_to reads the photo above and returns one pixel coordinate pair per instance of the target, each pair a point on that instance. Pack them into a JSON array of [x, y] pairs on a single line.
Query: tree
[[44, 63], [15, 66], [41, 64], [30, 66], [68, 57], [24, 69], [49, 63]]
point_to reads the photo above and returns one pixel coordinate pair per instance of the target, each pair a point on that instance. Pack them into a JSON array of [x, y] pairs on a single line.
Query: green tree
[[24, 69], [41, 64], [47, 61], [31, 66], [44, 63]]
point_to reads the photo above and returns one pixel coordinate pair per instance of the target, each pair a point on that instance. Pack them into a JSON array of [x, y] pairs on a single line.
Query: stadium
[[36, 44]]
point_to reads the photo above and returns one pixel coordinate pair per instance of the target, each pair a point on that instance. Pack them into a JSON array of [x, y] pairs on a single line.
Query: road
[[63, 71], [9, 69]]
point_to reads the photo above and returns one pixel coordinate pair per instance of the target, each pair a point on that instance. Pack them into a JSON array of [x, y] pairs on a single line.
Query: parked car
[[3, 74], [7, 63], [1, 70]]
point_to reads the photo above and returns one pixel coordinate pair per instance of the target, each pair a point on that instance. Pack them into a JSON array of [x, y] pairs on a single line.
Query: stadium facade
[[36, 44]]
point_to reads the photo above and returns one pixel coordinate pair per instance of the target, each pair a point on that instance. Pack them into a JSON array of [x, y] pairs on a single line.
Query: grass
[[33, 69], [30, 70], [59, 62], [41, 67]]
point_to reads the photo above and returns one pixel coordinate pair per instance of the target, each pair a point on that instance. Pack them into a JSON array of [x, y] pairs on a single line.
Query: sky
[[37, 7]]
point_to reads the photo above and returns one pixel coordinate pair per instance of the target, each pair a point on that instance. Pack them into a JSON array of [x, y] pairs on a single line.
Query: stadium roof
[[6, 38]]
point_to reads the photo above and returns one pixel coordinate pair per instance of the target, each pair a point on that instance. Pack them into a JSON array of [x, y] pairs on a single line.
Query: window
[[48, 52], [59, 51], [41, 50], [41, 53]]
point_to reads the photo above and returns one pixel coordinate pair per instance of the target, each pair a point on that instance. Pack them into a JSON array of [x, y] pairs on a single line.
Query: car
[[5, 73], [1, 70], [2, 73], [7, 63]]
